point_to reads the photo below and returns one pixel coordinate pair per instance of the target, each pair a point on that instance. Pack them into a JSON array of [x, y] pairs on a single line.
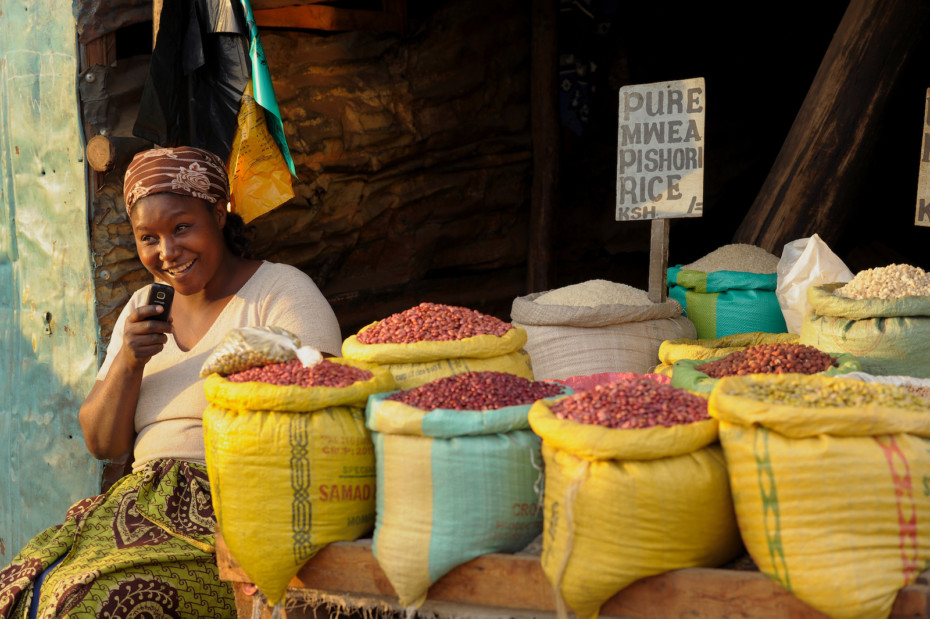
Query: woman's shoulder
[[277, 274]]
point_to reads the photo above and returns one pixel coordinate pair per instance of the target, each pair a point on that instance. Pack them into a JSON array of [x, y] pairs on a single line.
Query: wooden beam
[[544, 112], [658, 260], [518, 582], [818, 169], [322, 17]]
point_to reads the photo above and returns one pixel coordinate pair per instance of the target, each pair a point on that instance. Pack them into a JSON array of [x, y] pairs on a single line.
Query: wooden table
[[502, 585]]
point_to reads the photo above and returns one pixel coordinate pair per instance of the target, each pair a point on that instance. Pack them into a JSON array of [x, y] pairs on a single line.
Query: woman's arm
[[107, 415]]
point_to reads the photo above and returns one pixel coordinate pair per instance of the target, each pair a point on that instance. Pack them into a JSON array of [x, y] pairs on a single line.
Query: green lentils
[[837, 394]]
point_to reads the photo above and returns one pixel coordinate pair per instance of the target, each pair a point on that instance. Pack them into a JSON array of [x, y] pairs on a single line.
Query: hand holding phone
[[161, 294]]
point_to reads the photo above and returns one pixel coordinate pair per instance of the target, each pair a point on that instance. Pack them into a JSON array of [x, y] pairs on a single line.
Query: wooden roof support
[[819, 166], [544, 113]]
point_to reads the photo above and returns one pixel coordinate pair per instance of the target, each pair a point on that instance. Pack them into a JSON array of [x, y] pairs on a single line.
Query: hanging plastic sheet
[[200, 67]]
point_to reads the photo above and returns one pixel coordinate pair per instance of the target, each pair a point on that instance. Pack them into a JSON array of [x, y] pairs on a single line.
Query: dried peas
[[635, 402], [776, 358], [837, 394], [890, 282], [432, 322], [477, 391]]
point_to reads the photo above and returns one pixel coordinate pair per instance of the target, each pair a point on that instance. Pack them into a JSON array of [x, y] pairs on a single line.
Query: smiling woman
[[152, 535]]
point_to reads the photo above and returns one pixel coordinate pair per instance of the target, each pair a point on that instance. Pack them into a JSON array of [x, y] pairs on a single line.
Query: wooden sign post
[[922, 216], [660, 162]]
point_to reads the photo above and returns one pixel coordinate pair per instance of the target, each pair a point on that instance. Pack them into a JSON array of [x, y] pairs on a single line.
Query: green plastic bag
[[891, 337], [724, 303]]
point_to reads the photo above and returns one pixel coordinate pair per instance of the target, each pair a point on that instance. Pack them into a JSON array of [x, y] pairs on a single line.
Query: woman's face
[[180, 239]]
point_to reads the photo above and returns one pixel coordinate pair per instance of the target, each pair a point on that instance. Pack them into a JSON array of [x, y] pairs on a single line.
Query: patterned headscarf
[[184, 170]]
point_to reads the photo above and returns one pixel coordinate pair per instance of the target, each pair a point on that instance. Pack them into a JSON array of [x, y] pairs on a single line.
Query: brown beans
[[477, 391], [780, 358], [433, 322], [324, 374], [634, 402]]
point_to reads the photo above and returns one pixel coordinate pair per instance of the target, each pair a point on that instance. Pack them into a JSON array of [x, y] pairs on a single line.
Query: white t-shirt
[[169, 414]]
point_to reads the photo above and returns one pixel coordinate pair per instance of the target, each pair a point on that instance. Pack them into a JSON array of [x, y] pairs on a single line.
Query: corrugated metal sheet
[[47, 324]]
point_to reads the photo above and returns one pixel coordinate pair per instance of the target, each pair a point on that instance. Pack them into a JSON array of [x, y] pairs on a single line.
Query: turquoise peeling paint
[[48, 331]]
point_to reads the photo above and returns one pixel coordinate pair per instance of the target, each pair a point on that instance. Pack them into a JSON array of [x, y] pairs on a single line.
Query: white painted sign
[[922, 216], [660, 150]]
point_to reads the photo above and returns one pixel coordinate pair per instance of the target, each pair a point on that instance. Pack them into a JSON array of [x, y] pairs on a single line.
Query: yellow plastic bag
[[621, 505], [418, 363], [259, 179], [291, 469], [832, 502]]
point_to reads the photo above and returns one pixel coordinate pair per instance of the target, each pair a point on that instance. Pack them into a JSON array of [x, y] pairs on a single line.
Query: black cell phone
[[161, 294]]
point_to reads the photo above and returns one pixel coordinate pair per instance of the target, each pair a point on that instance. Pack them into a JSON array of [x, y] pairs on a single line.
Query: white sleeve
[[116, 338], [295, 303]]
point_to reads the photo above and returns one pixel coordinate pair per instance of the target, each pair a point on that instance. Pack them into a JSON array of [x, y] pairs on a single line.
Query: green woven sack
[[891, 337], [724, 303], [685, 374]]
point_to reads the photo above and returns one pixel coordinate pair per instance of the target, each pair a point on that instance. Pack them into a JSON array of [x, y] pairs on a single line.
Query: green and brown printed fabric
[[145, 548]]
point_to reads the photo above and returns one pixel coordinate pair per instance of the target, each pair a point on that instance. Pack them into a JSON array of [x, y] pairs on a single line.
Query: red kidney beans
[[477, 391], [433, 322], [324, 374], [635, 402], [781, 358]]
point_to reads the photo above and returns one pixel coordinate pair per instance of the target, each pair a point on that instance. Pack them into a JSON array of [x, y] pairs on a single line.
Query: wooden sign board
[[660, 150], [922, 216]]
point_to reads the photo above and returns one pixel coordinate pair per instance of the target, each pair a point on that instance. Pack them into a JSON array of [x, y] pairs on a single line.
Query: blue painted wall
[[48, 330]]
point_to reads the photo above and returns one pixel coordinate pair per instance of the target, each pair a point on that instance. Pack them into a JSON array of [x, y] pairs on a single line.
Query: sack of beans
[[635, 486], [701, 376], [459, 474], [882, 317], [290, 461], [730, 290], [671, 351], [431, 340], [828, 484], [595, 327]]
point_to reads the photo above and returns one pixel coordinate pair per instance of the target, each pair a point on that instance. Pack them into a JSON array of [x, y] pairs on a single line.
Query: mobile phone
[[161, 294]]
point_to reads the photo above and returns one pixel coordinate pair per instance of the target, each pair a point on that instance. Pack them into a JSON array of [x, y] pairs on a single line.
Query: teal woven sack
[[452, 485], [891, 337], [724, 303], [685, 374]]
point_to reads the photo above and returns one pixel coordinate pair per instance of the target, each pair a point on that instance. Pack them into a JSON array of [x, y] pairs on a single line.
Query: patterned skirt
[[143, 549]]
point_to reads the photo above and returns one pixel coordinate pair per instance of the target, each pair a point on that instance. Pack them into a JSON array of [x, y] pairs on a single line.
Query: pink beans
[[434, 323], [324, 374], [780, 358], [477, 391], [636, 402]]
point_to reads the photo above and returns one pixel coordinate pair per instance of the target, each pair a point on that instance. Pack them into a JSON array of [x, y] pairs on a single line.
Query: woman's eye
[[182, 227]]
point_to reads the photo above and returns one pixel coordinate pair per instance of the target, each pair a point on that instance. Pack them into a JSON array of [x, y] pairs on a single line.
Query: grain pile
[[736, 257], [595, 293], [891, 282]]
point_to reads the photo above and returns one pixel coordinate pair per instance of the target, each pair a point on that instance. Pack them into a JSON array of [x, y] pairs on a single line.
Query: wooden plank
[[321, 17], [518, 582], [544, 114], [658, 260], [818, 170]]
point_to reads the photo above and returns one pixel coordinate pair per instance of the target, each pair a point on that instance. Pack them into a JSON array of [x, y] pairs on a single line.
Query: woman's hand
[[144, 336]]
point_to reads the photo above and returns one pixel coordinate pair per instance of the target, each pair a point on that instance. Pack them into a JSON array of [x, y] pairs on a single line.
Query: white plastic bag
[[805, 262]]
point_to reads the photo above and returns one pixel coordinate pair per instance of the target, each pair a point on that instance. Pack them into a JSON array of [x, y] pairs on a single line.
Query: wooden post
[[545, 124], [819, 166], [658, 260]]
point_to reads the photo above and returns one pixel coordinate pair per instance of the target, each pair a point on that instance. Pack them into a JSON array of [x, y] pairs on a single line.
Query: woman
[[147, 545]]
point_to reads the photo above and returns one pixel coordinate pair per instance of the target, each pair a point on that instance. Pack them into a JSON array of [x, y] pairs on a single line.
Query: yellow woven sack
[[418, 363], [832, 502], [621, 505], [671, 351], [291, 469]]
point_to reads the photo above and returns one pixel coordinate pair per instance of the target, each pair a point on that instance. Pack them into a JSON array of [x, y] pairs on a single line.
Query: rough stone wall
[[414, 159]]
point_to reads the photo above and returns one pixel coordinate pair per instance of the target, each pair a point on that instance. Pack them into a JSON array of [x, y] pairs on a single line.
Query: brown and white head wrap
[[184, 170]]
